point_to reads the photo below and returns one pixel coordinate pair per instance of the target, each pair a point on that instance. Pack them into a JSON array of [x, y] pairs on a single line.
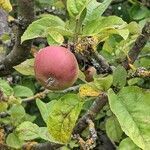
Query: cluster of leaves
[[13, 101], [125, 119]]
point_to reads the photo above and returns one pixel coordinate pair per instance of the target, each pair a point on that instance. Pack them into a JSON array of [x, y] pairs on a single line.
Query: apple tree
[[75, 74]]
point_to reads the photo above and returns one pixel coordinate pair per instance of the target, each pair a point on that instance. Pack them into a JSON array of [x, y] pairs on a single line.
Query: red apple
[[56, 67]]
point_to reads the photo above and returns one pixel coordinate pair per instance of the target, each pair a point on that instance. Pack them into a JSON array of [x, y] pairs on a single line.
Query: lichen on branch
[[19, 52]]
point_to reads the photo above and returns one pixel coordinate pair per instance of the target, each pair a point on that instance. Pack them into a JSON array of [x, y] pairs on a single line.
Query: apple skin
[[56, 67]]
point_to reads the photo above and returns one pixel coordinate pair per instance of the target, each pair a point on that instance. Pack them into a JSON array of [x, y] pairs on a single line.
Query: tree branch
[[104, 67], [95, 108], [46, 91], [97, 105], [20, 51], [146, 3], [101, 101], [44, 146], [138, 46]]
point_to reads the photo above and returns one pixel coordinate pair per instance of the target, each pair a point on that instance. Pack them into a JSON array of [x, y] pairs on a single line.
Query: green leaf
[[44, 108], [5, 37], [119, 77], [134, 28], [30, 118], [96, 9], [106, 25], [106, 33], [144, 62], [127, 143], [81, 76], [134, 81], [43, 134], [13, 141], [138, 12], [124, 33], [55, 38], [27, 131], [22, 91], [103, 83], [117, 47], [3, 106], [132, 109], [6, 88], [17, 111], [110, 44], [30, 131], [6, 120], [65, 31], [39, 27], [49, 3], [75, 7], [26, 68], [62, 117], [29, 82], [53, 95], [113, 129]]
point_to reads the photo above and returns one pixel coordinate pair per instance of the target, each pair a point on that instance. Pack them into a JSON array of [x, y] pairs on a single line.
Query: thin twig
[[45, 92], [38, 95]]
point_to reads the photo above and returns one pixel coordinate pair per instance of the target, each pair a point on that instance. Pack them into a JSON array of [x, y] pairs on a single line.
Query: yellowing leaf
[[63, 115], [3, 106], [10, 18], [87, 90], [26, 67], [6, 5]]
